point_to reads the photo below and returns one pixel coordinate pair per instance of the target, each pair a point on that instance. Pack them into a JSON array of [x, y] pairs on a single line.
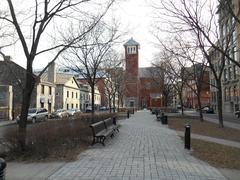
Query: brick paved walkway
[[144, 149]]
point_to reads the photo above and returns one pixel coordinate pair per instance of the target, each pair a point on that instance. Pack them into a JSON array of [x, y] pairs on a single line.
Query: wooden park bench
[[109, 124], [103, 129]]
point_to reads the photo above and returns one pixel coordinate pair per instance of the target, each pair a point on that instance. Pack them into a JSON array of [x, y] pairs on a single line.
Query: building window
[[67, 93], [42, 89], [67, 106], [230, 73], [76, 95], [225, 75], [72, 106], [42, 105], [234, 72], [77, 106], [50, 90], [235, 53], [131, 49], [225, 94], [72, 94]]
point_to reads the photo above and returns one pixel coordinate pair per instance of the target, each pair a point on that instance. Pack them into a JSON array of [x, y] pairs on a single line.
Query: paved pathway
[[144, 149], [212, 139], [214, 119]]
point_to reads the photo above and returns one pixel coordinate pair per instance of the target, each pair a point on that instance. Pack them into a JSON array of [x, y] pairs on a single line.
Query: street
[[229, 117]]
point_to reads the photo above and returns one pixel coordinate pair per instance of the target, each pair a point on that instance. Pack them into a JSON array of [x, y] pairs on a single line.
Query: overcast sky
[[134, 17]]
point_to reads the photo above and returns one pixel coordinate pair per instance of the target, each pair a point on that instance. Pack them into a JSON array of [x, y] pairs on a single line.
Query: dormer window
[[131, 50]]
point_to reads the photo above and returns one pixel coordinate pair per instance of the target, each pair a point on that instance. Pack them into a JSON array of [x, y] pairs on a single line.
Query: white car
[[60, 113], [89, 109], [36, 114], [71, 112]]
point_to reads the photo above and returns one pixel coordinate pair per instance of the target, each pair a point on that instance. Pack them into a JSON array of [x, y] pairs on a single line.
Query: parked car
[[71, 112], [60, 113], [207, 109], [89, 109], [103, 108], [36, 114]]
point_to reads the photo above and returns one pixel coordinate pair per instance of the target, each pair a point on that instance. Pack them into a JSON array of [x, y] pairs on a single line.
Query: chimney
[[52, 73]]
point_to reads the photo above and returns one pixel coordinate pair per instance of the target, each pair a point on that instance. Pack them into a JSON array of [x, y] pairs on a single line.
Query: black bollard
[[114, 121], [188, 136], [128, 114], [165, 119], [3, 166]]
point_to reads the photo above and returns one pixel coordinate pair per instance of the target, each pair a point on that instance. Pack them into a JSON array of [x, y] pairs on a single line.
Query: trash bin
[[164, 119], [3, 166]]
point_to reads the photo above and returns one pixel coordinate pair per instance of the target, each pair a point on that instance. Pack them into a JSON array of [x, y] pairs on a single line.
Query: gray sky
[[134, 17]]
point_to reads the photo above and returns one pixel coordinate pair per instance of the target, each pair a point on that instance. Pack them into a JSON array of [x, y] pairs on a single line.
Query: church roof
[[150, 72], [131, 42]]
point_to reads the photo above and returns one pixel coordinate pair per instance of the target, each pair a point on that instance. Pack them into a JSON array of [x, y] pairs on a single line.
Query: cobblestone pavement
[[143, 150]]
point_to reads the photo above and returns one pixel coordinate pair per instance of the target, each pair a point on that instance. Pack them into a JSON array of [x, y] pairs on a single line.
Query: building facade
[[14, 75], [131, 74], [143, 86], [196, 76], [229, 40], [67, 94]]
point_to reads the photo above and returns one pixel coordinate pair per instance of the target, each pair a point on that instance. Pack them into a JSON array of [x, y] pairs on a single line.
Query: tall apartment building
[[230, 39]]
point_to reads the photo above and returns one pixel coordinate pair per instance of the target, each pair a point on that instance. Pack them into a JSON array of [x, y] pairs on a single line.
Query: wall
[[6, 103]]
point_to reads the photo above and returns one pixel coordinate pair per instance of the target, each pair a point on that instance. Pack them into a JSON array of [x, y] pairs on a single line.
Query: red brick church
[[143, 86]]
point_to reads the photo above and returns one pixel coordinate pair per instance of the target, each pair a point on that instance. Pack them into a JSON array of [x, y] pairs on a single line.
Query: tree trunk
[[181, 101], [200, 105], [93, 100], [110, 104], [118, 102], [26, 98], [114, 100], [219, 103]]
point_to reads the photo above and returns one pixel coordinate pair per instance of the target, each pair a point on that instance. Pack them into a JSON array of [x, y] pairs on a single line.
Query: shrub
[[53, 139]]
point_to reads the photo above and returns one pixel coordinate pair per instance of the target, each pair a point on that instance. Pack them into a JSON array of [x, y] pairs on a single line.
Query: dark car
[[207, 109]]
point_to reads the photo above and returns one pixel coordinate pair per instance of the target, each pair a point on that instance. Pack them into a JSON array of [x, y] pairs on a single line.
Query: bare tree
[[114, 79], [189, 17], [189, 55], [174, 72], [167, 88], [86, 57], [39, 18]]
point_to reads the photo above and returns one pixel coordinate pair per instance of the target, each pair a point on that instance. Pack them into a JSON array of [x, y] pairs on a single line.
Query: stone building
[[231, 74]]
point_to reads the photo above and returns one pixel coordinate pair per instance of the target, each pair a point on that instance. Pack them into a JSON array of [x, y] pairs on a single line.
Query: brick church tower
[[132, 79]]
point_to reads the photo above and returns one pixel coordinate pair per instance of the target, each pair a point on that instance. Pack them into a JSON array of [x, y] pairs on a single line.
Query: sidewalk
[[215, 120], [7, 122], [212, 139], [142, 150]]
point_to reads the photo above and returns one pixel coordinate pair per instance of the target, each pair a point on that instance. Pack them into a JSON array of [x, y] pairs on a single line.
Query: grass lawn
[[204, 128], [216, 154]]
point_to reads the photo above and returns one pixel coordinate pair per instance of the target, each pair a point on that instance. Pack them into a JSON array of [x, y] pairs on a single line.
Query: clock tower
[[132, 79]]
